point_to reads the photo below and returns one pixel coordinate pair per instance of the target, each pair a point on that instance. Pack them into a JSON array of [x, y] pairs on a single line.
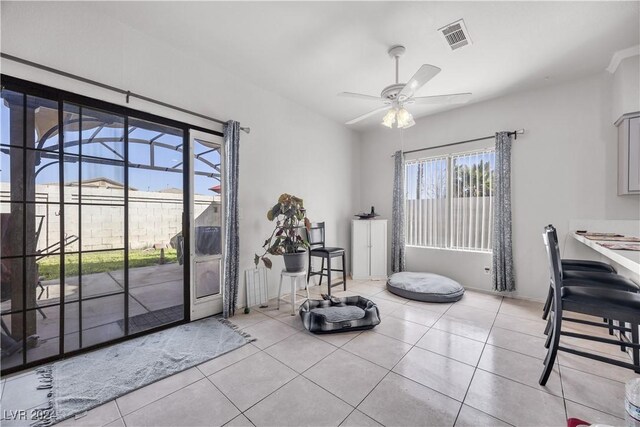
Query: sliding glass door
[[156, 203], [100, 227], [30, 270]]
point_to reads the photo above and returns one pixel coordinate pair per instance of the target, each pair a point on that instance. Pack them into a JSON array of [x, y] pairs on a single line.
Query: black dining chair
[[586, 273], [620, 306], [317, 248]]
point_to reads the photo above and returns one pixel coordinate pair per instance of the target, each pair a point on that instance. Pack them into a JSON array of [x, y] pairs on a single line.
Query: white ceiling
[[310, 51]]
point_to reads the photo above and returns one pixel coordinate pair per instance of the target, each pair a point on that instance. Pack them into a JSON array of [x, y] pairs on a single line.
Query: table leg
[[329, 274], [294, 285], [279, 291], [307, 289]]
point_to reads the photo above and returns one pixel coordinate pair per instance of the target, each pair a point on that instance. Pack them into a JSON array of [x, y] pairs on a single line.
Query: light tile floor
[[475, 362]]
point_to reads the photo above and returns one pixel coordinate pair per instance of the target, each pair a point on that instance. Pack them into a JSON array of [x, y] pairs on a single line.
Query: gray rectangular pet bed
[[332, 314]]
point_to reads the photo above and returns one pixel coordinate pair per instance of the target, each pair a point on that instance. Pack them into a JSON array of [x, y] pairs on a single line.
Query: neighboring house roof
[[100, 182]]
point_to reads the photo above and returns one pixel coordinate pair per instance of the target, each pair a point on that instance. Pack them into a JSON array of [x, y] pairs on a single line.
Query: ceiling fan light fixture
[[405, 119], [389, 118], [410, 123]]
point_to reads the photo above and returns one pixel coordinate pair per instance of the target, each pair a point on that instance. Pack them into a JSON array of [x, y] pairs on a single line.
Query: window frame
[[449, 156]]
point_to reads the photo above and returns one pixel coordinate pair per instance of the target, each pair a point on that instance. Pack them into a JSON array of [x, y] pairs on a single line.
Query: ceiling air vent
[[456, 34]]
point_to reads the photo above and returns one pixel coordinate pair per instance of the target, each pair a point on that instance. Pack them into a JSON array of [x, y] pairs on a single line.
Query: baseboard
[[504, 294]]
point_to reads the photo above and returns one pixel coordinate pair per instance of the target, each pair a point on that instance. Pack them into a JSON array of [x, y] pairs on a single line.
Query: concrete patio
[[152, 289]]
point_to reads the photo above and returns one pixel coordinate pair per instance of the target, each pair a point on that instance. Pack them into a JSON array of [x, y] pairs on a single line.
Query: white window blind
[[427, 205], [449, 201]]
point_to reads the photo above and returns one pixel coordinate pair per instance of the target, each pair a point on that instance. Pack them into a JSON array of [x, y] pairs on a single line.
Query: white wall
[[626, 88], [563, 168], [290, 149]]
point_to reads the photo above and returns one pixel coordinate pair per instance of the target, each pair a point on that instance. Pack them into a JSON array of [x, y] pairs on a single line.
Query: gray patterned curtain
[[231, 237], [502, 276], [397, 220]]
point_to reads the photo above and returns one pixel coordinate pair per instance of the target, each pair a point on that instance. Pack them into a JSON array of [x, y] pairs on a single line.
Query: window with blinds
[[449, 201]]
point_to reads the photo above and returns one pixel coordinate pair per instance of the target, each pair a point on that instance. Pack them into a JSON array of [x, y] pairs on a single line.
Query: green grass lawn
[[99, 262]]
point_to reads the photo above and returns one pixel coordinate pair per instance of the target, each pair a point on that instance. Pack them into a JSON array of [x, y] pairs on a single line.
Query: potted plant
[[286, 239]]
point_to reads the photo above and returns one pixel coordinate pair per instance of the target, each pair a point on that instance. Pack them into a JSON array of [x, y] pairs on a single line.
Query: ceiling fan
[[397, 95]]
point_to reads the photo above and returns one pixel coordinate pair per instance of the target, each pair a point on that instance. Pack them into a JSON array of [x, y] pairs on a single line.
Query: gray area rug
[[83, 382]]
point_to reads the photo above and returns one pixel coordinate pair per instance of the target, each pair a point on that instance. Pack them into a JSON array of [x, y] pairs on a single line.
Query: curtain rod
[[127, 93], [515, 133]]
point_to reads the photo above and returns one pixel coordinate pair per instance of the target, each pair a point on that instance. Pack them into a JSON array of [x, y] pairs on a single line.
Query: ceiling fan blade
[[359, 96], [452, 98], [369, 114], [422, 76]]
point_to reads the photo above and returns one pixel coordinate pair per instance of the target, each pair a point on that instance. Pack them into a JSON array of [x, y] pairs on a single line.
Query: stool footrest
[[597, 339], [599, 358]]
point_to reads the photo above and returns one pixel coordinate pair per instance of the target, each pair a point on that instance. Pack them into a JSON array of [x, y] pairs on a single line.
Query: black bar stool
[[317, 248], [600, 277], [618, 305], [576, 272]]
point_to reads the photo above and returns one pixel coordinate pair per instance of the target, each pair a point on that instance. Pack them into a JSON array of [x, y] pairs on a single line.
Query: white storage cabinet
[[369, 249]]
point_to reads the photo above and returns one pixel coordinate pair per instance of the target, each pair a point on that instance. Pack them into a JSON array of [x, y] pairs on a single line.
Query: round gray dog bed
[[427, 287]]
